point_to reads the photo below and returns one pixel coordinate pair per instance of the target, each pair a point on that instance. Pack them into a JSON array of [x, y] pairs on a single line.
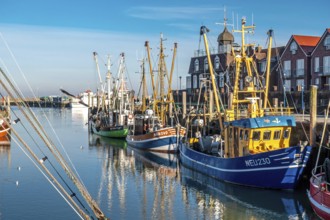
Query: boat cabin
[[256, 135]]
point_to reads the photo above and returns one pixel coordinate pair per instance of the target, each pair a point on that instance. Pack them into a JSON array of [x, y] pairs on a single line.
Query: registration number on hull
[[257, 162]]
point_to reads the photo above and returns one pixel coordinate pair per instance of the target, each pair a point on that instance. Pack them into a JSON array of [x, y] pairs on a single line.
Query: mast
[[169, 92], [98, 70], [270, 33], [161, 74], [203, 31], [242, 59], [144, 88], [108, 77], [154, 92]]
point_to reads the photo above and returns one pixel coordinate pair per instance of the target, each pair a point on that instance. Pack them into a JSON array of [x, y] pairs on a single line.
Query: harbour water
[[129, 184]]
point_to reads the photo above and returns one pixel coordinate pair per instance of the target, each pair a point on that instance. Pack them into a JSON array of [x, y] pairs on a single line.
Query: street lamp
[[180, 81], [284, 96]]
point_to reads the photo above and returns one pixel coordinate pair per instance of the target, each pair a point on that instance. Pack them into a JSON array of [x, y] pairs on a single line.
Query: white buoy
[[19, 168], [16, 182]]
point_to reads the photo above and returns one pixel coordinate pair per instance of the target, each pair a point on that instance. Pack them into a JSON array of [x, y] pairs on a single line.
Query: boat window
[[246, 135], [230, 133], [286, 134], [277, 135], [267, 135], [256, 135], [241, 134]]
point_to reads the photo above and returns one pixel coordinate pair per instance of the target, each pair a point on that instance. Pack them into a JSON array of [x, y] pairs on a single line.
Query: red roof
[[309, 41]]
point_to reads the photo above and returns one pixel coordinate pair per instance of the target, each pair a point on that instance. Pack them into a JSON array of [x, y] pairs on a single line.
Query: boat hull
[[4, 133], [112, 132], [162, 140], [319, 197], [278, 169]]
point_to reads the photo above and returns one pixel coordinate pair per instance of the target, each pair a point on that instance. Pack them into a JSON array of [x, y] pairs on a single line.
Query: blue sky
[[51, 42]]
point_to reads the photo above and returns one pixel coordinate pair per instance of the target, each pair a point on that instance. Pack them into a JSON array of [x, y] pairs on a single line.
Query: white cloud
[[172, 13]]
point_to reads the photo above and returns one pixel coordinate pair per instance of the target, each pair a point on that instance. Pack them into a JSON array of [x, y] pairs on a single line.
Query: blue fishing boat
[[153, 128], [253, 147]]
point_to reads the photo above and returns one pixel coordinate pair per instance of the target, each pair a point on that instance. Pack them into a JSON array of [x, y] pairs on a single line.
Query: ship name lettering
[[257, 162], [160, 133]]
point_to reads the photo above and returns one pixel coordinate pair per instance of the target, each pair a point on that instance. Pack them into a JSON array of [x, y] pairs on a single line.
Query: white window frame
[[217, 62], [293, 47], [195, 82], [300, 67], [327, 41], [263, 66], [188, 82], [316, 64], [326, 64], [206, 64], [287, 68], [317, 81], [287, 85], [196, 65]]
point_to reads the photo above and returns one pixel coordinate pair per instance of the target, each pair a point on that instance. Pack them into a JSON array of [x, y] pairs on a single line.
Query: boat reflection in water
[[106, 142], [135, 184], [5, 156], [220, 200], [150, 178]]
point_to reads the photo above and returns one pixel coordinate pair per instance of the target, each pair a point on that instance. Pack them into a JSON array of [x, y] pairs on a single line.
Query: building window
[[300, 84], [287, 85], [327, 42], [326, 64], [196, 65], [206, 64], [287, 68], [188, 82], [317, 81], [316, 64], [293, 47], [217, 62], [195, 81], [263, 66], [300, 67]]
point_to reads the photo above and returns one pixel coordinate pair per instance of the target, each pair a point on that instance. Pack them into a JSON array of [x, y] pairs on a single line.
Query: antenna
[[225, 24]]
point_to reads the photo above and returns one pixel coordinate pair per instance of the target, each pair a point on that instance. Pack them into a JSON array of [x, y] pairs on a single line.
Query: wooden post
[[184, 104], [313, 113]]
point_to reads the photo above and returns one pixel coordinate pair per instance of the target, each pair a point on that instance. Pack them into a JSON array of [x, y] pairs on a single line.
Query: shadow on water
[[242, 202], [165, 187]]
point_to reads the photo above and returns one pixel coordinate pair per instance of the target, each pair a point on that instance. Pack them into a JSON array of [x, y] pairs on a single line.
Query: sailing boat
[[319, 187], [153, 129], [110, 117], [253, 147]]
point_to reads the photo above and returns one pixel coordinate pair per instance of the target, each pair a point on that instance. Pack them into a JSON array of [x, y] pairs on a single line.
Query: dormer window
[[196, 65], [217, 62], [206, 64], [293, 47], [327, 43]]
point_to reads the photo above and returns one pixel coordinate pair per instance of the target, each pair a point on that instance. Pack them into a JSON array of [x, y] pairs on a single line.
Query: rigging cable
[[52, 147], [20, 94]]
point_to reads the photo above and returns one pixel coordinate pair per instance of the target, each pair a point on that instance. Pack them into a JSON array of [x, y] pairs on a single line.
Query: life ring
[[130, 116]]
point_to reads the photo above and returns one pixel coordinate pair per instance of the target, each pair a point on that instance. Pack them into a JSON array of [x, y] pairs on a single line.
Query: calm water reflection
[[130, 184]]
